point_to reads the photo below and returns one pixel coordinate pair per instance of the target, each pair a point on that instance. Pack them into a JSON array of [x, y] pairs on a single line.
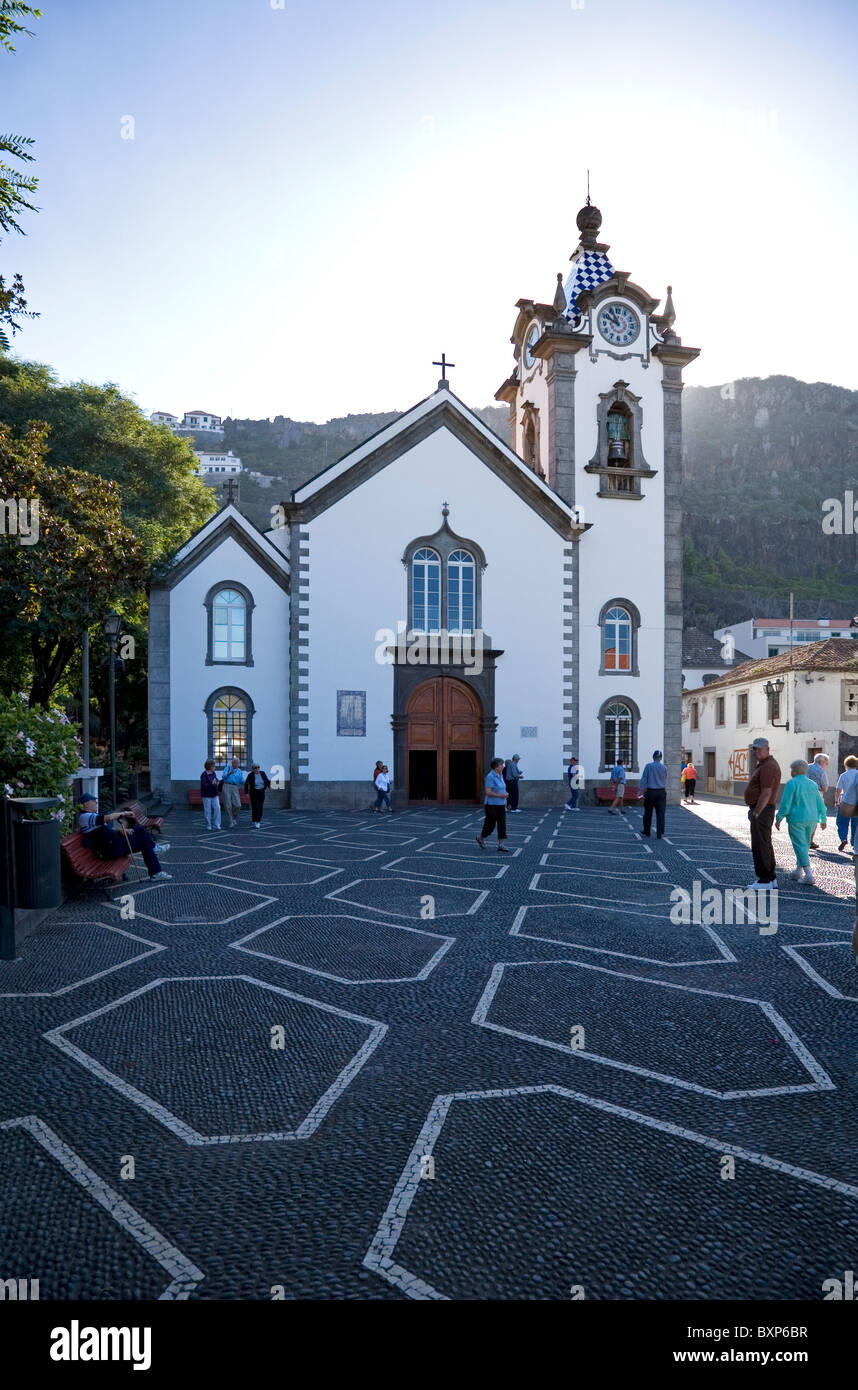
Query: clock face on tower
[[618, 324], [530, 340]]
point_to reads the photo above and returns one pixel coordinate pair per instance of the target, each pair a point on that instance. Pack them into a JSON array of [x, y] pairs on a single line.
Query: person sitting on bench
[[109, 843]]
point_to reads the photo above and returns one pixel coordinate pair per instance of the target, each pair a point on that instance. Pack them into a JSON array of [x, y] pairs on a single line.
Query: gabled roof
[[442, 410], [834, 654], [226, 523]]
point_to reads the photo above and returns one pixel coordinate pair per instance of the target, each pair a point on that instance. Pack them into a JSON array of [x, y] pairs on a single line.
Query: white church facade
[[439, 596]]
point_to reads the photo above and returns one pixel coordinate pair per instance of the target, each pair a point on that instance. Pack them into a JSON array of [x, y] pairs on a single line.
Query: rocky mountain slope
[[765, 461]]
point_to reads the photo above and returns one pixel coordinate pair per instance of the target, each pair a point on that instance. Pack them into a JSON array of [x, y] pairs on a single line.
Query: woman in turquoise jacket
[[803, 808]]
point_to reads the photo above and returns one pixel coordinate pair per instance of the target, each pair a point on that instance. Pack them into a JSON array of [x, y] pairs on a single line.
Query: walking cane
[[131, 852]]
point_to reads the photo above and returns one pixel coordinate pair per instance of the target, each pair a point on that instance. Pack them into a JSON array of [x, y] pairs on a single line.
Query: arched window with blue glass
[[461, 592], [426, 590], [229, 606], [444, 581]]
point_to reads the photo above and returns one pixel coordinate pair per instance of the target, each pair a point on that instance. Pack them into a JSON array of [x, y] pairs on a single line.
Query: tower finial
[[559, 301], [669, 314], [588, 188], [445, 510], [589, 221]]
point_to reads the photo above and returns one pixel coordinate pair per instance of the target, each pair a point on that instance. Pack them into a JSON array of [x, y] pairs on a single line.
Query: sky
[[312, 199]]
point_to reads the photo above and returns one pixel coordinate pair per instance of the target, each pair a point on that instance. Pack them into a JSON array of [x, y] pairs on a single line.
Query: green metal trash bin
[[37, 863]]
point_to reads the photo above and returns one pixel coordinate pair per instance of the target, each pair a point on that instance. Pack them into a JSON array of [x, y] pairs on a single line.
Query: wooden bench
[[195, 797], [607, 794], [139, 813], [88, 866]]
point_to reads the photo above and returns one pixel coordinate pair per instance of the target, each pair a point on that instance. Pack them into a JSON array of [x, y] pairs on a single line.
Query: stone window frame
[[250, 710], [694, 716], [249, 605], [740, 696], [634, 613], [637, 467], [619, 699], [530, 421], [444, 542], [720, 711]]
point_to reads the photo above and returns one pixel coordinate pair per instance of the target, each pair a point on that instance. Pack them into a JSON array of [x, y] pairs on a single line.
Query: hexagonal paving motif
[[275, 873], [93, 1231], [401, 897], [353, 950], [193, 904], [64, 957], [829, 964], [622, 931], [546, 1172], [228, 1060], [602, 888], [333, 852], [643, 1026], [437, 866]]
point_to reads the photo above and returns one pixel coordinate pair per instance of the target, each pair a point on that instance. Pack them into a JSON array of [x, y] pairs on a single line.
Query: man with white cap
[[653, 788]]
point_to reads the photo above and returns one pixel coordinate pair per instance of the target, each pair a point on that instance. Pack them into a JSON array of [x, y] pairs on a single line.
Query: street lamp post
[[112, 626], [772, 690]]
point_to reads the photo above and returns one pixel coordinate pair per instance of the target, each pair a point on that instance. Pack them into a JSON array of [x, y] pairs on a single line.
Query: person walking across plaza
[[375, 771], [689, 778], [256, 784], [496, 795], [232, 780], [653, 788], [512, 775], [761, 796], [817, 771], [115, 835], [803, 808], [209, 793], [382, 787], [574, 777], [846, 803], [618, 782]]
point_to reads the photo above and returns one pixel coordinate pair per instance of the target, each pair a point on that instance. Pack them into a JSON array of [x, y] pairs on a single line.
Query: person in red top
[[689, 778], [761, 796]]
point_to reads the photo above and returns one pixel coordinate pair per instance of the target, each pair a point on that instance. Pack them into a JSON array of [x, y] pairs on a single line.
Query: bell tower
[[595, 409]]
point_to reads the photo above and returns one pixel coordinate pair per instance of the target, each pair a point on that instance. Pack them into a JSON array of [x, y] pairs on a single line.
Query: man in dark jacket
[[256, 785], [511, 777], [653, 788]]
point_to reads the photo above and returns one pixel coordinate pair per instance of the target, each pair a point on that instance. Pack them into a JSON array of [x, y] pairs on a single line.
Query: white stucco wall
[[358, 585], [621, 557], [811, 702], [192, 681]]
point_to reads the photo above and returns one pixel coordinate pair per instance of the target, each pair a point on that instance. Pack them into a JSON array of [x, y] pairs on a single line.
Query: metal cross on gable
[[443, 364]]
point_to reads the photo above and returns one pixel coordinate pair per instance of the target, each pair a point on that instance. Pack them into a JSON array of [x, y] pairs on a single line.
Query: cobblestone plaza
[[356, 1057]]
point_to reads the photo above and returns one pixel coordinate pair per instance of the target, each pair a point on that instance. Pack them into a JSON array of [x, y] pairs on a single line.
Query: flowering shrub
[[38, 753]]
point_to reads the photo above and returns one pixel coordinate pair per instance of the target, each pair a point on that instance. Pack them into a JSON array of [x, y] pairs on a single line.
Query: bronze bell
[[617, 451]]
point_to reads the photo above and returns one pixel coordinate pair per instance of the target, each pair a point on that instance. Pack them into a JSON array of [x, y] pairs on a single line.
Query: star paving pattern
[[359, 1057]]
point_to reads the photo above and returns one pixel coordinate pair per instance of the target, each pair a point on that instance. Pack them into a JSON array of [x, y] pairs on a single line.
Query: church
[[441, 596]]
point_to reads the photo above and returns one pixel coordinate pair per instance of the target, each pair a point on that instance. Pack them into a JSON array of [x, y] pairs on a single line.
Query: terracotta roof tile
[[833, 654]]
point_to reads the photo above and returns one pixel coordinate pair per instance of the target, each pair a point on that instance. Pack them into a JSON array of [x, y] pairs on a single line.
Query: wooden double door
[[443, 742]]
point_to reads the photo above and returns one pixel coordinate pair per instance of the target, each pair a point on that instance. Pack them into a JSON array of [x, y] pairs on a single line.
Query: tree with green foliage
[[16, 186], [102, 432], [74, 560]]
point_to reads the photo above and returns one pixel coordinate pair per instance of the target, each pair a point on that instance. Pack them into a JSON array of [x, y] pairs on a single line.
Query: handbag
[[847, 809]]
